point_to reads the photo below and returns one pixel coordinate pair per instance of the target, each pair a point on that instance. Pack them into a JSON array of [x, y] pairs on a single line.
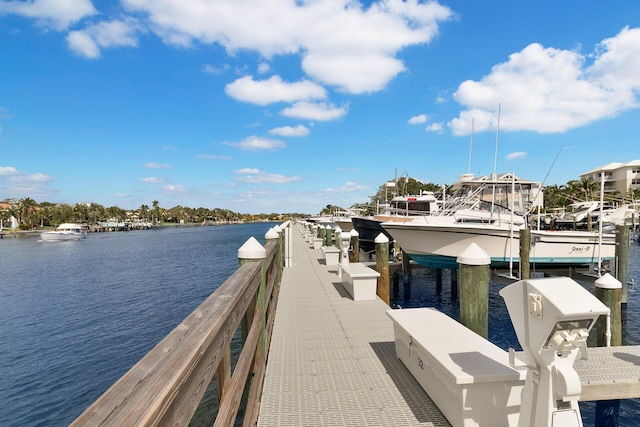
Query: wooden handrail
[[166, 386]]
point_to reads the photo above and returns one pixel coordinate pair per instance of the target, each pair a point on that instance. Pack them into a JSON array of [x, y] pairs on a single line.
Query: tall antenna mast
[[470, 145], [495, 159]]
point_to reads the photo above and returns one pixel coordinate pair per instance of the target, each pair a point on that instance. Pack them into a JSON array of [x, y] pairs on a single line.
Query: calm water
[[75, 316]]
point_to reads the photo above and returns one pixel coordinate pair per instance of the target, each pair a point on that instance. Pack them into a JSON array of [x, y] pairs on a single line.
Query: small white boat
[[66, 231]]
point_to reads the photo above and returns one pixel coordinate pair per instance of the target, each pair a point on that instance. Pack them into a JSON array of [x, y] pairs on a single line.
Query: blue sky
[[287, 106]]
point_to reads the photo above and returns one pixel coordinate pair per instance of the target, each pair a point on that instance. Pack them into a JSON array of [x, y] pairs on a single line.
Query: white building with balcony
[[617, 176]]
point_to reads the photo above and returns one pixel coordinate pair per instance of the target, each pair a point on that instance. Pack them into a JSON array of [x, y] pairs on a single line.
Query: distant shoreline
[[7, 233]]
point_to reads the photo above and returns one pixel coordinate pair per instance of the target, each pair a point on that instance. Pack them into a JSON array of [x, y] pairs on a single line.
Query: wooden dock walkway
[[332, 360]]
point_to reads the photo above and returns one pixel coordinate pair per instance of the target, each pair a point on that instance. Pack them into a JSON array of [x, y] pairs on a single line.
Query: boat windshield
[[493, 196]]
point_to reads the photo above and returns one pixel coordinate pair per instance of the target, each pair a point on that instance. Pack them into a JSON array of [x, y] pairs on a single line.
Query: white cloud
[[348, 187], [175, 188], [435, 127], [89, 41], [263, 67], [257, 176], [256, 143], [8, 170], [516, 155], [210, 69], [152, 165], [248, 171], [53, 14], [34, 178], [315, 111], [272, 90], [152, 180], [551, 90], [15, 183], [342, 42], [290, 131], [415, 120], [617, 64]]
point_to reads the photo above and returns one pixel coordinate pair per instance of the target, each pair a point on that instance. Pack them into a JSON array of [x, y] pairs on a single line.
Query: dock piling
[[253, 251], [622, 260], [525, 246], [354, 255], [609, 291], [474, 289], [328, 237], [382, 265]]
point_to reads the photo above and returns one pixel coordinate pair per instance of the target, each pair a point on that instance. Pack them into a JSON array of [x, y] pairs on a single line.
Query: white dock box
[[331, 255], [359, 280], [468, 377]]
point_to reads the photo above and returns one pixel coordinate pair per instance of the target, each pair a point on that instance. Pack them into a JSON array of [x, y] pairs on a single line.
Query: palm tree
[[26, 206], [588, 186], [143, 212], [156, 209]]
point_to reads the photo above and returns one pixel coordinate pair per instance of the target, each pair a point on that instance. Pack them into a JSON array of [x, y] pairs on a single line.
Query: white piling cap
[[271, 234], [277, 228], [474, 255], [252, 249], [354, 233], [338, 230], [328, 227], [381, 238], [608, 282]]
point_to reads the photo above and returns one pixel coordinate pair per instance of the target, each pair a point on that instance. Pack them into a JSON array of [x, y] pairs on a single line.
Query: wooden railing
[[166, 386]]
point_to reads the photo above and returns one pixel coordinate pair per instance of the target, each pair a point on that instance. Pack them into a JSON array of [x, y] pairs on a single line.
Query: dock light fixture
[[345, 242], [552, 318]]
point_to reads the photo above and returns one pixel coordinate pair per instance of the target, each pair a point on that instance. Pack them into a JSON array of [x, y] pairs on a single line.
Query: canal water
[[75, 316]]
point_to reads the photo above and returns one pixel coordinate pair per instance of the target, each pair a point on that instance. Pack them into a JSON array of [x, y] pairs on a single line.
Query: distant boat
[[66, 231], [399, 209], [343, 218]]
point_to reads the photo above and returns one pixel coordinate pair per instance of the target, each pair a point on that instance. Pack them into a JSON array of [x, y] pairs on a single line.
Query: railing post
[[271, 235], [280, 246], [253, 251], [288, 245]]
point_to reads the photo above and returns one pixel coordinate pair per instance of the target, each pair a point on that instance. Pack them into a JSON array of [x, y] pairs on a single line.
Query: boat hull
[[58, 236], [368, 229], [438, 246]]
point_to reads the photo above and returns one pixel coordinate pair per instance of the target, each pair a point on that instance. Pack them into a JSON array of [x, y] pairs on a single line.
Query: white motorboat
[[490, 212], [66, 231]]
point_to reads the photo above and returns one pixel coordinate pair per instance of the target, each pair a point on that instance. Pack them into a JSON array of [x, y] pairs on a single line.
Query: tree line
[[31, 214]]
